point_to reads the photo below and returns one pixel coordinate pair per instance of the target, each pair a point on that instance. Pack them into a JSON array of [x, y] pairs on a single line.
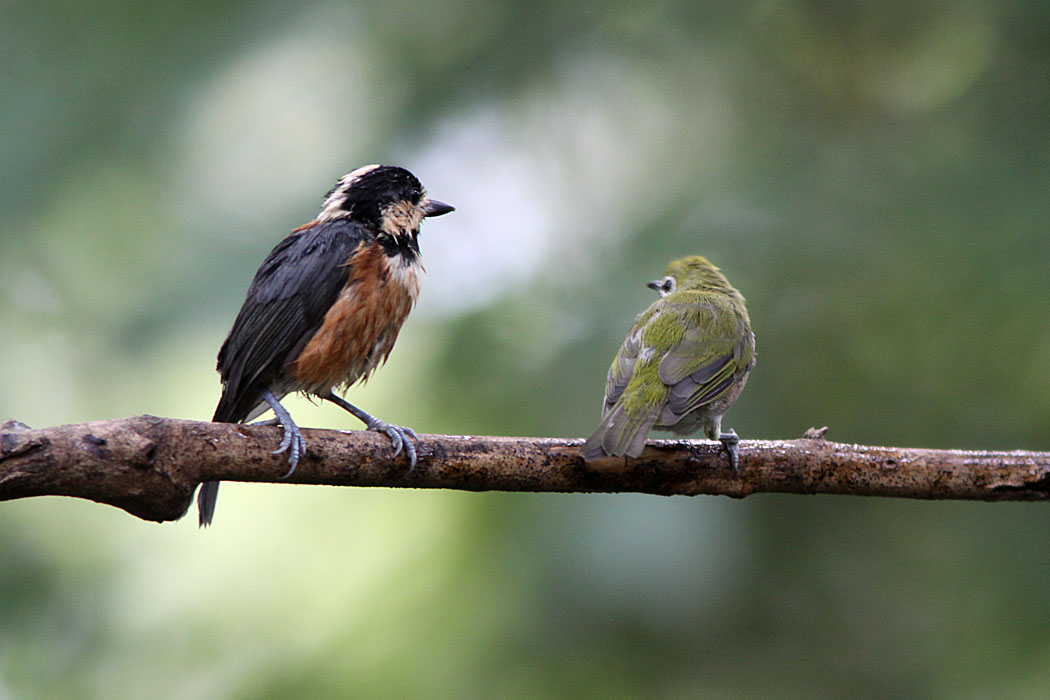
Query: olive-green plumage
[[681, 367]]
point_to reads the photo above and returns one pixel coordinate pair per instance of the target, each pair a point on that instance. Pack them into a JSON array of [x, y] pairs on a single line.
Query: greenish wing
[[622, 368], [702, 365]]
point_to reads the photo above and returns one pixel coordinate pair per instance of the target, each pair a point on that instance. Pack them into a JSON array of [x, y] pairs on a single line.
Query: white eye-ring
[[664, 287]]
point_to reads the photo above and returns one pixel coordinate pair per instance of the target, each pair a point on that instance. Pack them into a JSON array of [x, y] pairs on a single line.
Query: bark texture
[[150, 466]]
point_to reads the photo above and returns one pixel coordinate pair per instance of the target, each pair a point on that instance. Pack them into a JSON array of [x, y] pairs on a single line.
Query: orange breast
[[359, 330]]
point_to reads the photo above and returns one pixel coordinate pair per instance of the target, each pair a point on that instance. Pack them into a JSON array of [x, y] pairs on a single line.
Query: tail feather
[[226, 412], [206, 498], [619, 434]]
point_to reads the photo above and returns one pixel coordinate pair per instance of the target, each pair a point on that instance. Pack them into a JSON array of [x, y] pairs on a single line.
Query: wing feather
[[292, 291], [701, 367], [622, 368]]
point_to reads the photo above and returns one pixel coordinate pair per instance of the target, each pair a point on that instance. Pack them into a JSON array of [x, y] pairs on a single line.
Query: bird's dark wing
[[295, 286]]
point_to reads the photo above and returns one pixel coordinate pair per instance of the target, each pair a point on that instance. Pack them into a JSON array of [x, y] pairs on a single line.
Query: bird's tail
[[226, 412], [619, 434], [229, 410], [206, 498]]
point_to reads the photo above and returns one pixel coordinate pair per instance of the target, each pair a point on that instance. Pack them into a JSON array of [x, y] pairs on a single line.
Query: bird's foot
[[399, 438], [729, 442], [293, 441], [399, 435]]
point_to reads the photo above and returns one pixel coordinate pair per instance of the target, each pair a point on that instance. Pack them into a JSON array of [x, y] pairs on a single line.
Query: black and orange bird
[[325, 309]]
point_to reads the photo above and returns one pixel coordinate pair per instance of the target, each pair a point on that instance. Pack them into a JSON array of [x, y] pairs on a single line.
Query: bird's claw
[[295, 444], [399, 438], [730, 441], [293, 440]]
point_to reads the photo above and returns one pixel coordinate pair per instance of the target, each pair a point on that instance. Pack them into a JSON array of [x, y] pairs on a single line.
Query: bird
[[325, 308], [683, 364]]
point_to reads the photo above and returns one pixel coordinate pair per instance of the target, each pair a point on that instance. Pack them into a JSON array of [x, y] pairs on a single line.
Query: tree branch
[[150, 466]]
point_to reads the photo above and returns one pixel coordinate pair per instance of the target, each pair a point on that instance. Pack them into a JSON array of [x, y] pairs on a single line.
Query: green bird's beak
[[664, 286]]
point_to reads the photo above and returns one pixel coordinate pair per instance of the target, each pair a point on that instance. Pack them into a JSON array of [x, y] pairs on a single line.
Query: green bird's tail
[[619, 434]]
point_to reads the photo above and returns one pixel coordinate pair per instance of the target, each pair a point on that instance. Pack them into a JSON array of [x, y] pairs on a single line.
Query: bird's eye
[[668, 286]]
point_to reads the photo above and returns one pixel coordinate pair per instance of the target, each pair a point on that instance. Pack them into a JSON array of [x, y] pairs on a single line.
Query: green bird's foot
[[730, 441]]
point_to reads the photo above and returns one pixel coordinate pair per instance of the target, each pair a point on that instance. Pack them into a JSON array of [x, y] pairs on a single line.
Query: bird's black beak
[[655, 285], [436, 208]]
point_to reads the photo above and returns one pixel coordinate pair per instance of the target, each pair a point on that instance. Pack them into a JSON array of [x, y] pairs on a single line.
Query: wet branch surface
[[150, 466]]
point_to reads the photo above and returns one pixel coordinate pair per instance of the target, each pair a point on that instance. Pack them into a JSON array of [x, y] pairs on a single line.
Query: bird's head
[[387, 199], [664, 286], [693, 272]]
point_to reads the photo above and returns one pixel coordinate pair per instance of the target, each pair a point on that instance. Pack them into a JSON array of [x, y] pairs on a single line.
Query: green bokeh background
[[872, 176]]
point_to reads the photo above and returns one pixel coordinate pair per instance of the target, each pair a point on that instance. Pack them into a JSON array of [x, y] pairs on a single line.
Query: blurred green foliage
[[871, 176]]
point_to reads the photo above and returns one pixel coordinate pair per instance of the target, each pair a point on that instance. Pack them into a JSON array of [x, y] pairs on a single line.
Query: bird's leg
[[399, 436], [293, 440], [730, 441]]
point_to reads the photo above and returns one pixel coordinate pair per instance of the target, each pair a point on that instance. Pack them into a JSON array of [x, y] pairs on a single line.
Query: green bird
[[681, 367]]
